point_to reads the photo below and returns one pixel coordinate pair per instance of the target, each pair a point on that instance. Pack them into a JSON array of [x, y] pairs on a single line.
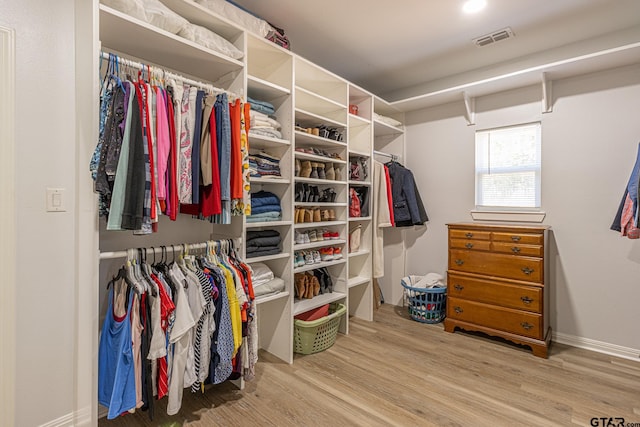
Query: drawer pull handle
[[469, 235], [459, 262], [515, 238], [526, 300], [468, 245], [458, 287], [515, 249], [526, 325], [458, 310], [527, 270]]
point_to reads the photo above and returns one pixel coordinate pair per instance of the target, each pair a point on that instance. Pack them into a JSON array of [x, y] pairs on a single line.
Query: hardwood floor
[[397, 372]]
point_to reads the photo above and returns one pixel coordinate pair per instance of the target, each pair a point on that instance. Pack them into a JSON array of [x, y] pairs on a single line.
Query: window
[[508, 167]]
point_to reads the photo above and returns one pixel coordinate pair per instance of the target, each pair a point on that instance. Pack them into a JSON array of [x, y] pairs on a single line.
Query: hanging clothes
[[175, 327], [408, 209], [627, 220], [116, 376], [381, 216], [167, 147]]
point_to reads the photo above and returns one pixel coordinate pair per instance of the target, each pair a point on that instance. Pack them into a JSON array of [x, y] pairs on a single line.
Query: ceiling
[[400, 49]]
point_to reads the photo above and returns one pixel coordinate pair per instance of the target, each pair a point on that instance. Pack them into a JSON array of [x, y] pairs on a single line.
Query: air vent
[[505, 33]]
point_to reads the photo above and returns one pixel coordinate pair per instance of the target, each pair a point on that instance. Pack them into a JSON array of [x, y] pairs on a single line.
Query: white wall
[[589, 146], [47, 155]]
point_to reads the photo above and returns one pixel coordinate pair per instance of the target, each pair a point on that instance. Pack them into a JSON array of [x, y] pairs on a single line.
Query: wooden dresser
[[498, 282]]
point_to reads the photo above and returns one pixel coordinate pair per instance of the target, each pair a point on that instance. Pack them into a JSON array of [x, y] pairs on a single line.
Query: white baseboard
[[63, 421], [597, 346]]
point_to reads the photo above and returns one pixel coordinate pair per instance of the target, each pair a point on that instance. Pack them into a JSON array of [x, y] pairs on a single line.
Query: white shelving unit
[[270, 78], [389, 139], [304, 96], [321, 100], [360, 130]]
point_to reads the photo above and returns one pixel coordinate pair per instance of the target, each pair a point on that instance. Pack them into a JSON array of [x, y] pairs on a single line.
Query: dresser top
[[499, 226]]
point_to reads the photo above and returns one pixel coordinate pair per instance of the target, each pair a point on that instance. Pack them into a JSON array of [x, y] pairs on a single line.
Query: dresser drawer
[[498, 293], [518, 249], [504, 319], [522, 238], [495, 264], [469, 234], [476, 245]]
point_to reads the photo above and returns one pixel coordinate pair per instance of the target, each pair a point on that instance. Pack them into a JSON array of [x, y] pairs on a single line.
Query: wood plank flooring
[[397, 372]]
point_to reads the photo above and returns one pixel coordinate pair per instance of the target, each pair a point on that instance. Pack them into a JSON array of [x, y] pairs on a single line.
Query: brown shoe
[[305, 169], [316, 215], [299, 281], [329, 172], [308, 215]]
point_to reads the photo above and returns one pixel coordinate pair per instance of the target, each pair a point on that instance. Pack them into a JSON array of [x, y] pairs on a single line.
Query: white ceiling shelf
[[535, 74], [155, 46]]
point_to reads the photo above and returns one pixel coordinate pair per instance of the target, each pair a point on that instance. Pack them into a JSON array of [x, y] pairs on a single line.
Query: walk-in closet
[[234, 212]]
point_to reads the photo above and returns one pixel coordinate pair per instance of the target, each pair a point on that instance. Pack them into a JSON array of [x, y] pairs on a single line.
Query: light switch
[[56, 200]]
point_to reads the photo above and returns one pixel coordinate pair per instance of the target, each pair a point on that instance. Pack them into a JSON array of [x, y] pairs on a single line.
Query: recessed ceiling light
[[473, 6]]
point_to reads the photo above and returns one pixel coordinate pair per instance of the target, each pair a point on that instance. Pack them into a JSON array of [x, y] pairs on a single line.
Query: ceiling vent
[[505, 33]]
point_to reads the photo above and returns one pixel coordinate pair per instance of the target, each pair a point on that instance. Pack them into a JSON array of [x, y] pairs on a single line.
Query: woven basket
[[318, 335]]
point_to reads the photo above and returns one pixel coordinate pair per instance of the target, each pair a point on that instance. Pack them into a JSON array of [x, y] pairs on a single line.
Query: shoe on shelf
[[297, 167], [329, 172], [309, 289], [307, 240], [314, 284], [325, 215], [300, 285], [332, 214], [316, 215], [326, 254], [299, 259], [314, 170], [313, 236], [308, 258], [306, 192], [299, 239], [335, 235], [321, 171], [299, 192], [305, 169], [308, 215], [315, 194], [338, 174], [337, 252], [326, 234], [316, 257]]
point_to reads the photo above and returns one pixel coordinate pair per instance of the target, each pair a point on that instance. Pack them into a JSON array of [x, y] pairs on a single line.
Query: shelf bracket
[[470, 109], [547, 94]]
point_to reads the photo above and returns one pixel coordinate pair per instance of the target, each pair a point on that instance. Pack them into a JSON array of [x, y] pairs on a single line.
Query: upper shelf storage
[[269, 64], [127, 35], [321, 106], [321, 82]]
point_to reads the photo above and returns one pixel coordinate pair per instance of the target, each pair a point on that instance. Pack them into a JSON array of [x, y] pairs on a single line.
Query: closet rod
[[382, 153], [158, 249], [167, 74]]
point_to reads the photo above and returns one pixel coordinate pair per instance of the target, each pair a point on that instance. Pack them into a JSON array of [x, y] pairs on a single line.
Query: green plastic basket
[[318, 335]]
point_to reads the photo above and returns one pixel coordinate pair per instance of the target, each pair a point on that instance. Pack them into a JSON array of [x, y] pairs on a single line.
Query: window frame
[[537, 171]]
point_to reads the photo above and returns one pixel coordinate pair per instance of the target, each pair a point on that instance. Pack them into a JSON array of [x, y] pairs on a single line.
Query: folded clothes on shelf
[[264, 107], [263, 165], [262, 243]]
